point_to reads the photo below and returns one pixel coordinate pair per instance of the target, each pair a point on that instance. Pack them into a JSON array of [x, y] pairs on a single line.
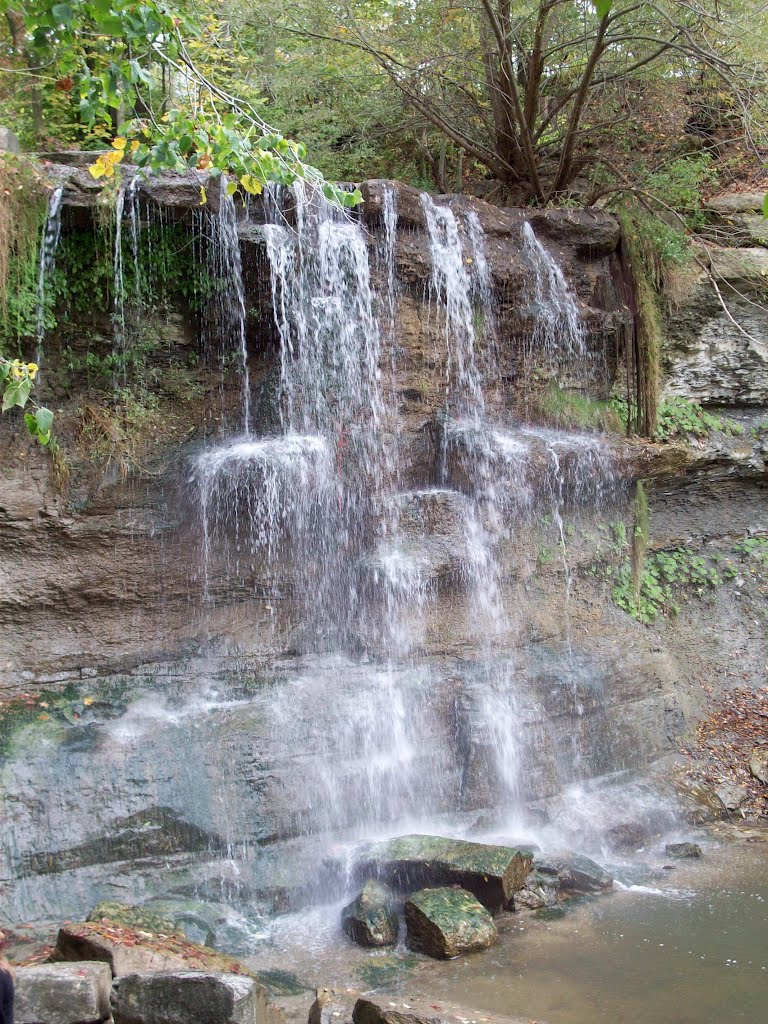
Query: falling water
[[226, 247], [558, 326], [118, 313], [50, 241]]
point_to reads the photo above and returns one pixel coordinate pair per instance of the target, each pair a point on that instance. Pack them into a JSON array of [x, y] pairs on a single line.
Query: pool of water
[[689, 949], [687, 946]]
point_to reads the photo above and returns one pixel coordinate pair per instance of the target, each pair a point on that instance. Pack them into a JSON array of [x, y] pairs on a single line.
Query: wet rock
[[627, 837], [130, 951], [540, 890], [370, 1010], [63, 993], [491, 873], [370, 919], [701, 803], [186, 997], [593, 233], [732, 795], [446, 922], [131, 916], [758, 765], [333, 1006], [578, 874], [682, 850]]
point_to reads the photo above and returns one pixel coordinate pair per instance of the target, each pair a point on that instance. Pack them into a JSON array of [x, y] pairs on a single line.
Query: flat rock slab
[[384, 1010], [491, 873], [187, 997], [577, 874], [370, 919], [130, 951], [63, 993], [444, 923]]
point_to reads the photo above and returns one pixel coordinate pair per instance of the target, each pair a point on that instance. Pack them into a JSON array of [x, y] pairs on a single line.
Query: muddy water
[[689, 948]]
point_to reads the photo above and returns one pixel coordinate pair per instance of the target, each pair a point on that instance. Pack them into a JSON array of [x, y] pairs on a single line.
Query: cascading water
[[49, 244], [558, 333]]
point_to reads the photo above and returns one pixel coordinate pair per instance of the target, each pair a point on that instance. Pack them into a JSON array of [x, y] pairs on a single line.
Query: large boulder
[[539, 891], [187, 997], [370, 1010], [491, 873], [682, 850], [627, 837], [578, 875], [444, 923], [9, 143], [758, 764], [131, 916], [131, 951], [370, 919], [63, 993]]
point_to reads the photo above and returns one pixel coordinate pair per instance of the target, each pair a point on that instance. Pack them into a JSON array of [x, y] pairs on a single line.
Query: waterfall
[[48, 246], [226, 244], [558, 327]]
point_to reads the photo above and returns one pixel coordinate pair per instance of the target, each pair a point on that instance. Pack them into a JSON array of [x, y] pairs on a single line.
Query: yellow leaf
[[231, 188], [203, 195], [119, 142], [97, 170], [88, 701], [251, 184], [165, 118], [109, 170], [134, 145]]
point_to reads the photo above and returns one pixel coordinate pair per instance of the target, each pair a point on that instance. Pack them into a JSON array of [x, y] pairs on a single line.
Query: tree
[[534, 89]]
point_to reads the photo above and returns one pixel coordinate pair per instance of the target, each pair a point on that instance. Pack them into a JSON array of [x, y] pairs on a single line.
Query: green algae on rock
[[370, 919], [446, 922], [491, 873]]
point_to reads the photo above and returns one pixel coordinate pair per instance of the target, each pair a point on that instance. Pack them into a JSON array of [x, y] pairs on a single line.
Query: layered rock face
[[251, 711]]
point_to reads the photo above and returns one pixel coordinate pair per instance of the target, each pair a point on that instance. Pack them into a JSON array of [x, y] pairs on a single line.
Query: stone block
[[63, 993], [187, 997]]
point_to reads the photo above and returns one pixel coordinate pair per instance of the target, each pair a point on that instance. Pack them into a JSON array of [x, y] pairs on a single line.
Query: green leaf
[[44, 420], [765, 206], [62, 14], [31, 422], [231, 188], [602, 7]]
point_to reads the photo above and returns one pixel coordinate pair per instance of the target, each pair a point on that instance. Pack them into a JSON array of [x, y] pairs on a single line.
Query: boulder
[[63, 993], [626, 837], [701, 803], [130, 951], [682, 850], [732, 795], [187, 997], [758, 765], [491, 873], [593, 233], [539, 891], [370, 919], [370, 1010], [735, 202], [333, 1006], [577, 874], [446, 922], [9, 143], [131, 916]]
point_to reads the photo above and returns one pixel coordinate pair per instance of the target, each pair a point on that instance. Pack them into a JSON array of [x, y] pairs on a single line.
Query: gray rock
[[626, 837], [736, 202], [540, 890], [370, 1010], [732, 795], [370, 919], [701, 804], [758, 765], [593, 233], [63, 993], [186, 997], [682, 850], [491, 873], [9, 142], [333, 1006], [444, 923], [579, 874]]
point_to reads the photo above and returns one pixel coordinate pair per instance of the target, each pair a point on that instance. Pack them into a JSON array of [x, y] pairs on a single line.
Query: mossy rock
[[370, 919], [130, 916], [447, 922], [491, 873]]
